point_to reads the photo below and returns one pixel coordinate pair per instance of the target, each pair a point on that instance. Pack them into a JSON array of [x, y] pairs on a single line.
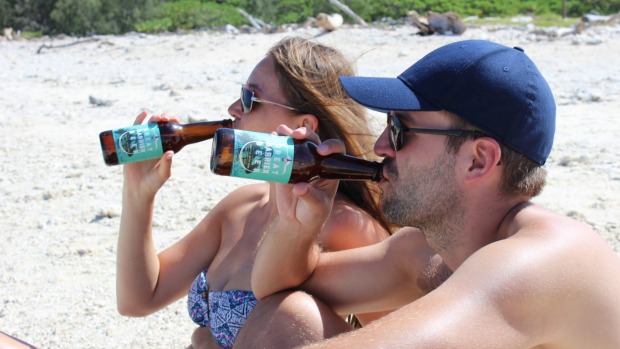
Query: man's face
[[419, 188]]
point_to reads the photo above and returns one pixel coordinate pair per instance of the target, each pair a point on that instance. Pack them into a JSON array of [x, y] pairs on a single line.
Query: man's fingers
[[331, 146]]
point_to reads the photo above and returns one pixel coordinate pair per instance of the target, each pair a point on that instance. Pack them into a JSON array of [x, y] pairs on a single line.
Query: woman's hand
[[145, 178]]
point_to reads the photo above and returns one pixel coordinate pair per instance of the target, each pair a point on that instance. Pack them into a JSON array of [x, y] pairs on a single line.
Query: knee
[[288, 319], [203, 339]]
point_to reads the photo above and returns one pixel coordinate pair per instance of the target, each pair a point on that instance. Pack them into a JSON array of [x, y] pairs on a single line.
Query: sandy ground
[[60, 205]]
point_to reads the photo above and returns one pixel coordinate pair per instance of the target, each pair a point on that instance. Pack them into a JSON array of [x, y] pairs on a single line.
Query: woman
[[296, 84]]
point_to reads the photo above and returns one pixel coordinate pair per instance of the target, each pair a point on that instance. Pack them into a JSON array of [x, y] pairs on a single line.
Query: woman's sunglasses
[[248, 99], [397, 130]]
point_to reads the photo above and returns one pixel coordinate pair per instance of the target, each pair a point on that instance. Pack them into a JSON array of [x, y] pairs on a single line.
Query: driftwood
[[441, 23], [348, 11], [66, 45], [256, 23], [594, 18], [589, 20], [10, 34], [329, 22]]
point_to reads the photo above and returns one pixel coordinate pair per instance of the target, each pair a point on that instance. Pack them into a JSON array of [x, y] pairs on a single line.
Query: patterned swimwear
[[224, 312]]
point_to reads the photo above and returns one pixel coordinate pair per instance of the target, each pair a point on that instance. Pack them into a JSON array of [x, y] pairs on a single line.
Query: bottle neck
[[200, 131], [346, 167]]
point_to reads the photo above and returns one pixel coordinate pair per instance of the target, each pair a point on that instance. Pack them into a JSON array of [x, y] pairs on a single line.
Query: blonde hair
[[308, 74]]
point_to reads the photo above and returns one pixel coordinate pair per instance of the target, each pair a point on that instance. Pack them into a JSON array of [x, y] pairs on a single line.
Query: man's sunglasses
[[397, 130], [248, 99]]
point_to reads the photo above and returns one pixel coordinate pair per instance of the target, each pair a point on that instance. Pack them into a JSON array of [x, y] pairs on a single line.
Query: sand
[[60, 205]]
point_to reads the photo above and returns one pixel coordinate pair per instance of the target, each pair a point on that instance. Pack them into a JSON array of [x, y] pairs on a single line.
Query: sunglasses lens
[[395, 134], [246, 99]]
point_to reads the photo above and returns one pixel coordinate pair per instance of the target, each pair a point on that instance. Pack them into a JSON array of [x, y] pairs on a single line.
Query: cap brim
[[384, 94]]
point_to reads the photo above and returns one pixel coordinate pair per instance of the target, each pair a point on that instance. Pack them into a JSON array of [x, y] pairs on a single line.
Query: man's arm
[[377, 277], [550, 284], [288, 253]]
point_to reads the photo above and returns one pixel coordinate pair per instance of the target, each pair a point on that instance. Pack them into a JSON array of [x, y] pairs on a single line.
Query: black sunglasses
[[397, 130], [248, 99]]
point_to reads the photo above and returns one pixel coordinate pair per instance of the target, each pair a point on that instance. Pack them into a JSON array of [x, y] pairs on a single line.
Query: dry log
[[348, 11], [256, 23], [77, 42]]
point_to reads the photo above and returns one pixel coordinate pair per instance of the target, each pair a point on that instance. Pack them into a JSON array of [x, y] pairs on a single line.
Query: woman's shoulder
[[349, 226]]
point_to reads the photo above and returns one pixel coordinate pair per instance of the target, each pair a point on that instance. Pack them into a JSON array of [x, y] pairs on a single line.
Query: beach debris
[[77, 42], [447, 23], [231, 29], [255, 22], [348, 11], [587, 21], [9, 34], [329, 22], [84, 252], [98, 102], [594, 19]]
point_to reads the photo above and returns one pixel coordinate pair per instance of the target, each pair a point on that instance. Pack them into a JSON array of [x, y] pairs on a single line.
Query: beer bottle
[[150, 141], [282, 159]]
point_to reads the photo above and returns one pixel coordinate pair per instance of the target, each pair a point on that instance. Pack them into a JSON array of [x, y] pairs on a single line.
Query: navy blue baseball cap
[[494, 87]]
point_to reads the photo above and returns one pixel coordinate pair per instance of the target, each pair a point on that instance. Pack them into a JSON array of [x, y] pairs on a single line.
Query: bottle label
[[137, 143], [262, 156]]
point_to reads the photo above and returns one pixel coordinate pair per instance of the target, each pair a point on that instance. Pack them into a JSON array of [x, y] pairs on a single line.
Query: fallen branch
[[256, 23], [590, 20], [66, 45], [348, 11]]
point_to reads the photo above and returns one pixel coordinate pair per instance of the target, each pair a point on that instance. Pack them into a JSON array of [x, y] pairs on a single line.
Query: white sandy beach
[[60, 205]]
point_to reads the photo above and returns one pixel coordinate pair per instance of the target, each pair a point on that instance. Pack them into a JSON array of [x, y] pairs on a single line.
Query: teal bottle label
[[137, 143], [262, 156]]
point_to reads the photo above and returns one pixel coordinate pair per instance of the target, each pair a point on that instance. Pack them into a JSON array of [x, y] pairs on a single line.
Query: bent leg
[[203, 339], [9, 342], [289, 319]]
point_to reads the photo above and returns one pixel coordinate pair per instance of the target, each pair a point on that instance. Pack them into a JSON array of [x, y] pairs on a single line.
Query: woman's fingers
[[140, 118]]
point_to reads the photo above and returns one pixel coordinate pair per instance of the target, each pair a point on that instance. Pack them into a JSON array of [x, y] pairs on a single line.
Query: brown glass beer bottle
[[272, 158], [150, 141]]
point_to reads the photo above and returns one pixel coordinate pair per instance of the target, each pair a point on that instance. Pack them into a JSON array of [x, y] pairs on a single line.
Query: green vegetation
[[546, 20], [190, 14], [84, 17]]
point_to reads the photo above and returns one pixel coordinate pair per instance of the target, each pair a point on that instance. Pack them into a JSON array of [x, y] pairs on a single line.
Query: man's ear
[[309, 121], [485, 155]]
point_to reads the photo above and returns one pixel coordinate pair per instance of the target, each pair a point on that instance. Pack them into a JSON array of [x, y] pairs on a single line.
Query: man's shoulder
[[555, 234], [551, 267], [544, 253]]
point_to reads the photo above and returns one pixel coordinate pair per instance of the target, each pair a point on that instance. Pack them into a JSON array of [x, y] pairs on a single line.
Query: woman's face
[[264, 117]]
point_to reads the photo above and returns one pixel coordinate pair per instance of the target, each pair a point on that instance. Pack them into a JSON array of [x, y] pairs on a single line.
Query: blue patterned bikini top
[[224, 312]]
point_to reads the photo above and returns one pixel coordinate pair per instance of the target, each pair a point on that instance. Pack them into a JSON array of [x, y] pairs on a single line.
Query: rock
[[98, 102], [442, 23]]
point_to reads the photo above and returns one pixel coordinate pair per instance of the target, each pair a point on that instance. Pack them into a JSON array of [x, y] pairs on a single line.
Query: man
[[469, 127]]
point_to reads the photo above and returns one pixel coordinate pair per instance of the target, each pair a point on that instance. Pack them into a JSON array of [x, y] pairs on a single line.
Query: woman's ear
[[485, 156], [309, 121]]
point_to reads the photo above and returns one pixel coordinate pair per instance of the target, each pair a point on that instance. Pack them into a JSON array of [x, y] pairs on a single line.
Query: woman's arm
[[146, 281]]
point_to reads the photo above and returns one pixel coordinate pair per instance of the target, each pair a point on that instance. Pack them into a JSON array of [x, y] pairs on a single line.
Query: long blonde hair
[[308, 74]]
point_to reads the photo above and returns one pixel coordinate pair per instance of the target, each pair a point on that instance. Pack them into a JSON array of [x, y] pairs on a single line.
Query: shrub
[[81, 17], [190, 14]]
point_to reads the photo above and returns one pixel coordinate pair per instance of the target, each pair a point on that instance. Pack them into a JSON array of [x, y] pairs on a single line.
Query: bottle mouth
[[213, 163]]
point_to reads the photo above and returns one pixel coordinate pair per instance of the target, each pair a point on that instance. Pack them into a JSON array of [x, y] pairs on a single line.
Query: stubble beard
[[426, 198]]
